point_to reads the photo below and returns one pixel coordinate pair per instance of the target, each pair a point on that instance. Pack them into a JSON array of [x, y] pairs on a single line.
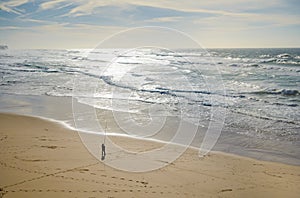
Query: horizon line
[[83, 48]]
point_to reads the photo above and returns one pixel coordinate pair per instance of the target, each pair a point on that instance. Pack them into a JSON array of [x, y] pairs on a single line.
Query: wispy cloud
[[199, 18], [10, 28], [87, 7], [51, 4], [165, 19], [11, 6], [246, 22]]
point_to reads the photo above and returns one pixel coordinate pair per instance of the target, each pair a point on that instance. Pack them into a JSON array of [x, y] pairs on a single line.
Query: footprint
[[50, 147], [83, 170], [226, 190]]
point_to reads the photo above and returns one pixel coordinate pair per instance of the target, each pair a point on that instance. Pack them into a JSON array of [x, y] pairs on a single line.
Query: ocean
[[252, 93]]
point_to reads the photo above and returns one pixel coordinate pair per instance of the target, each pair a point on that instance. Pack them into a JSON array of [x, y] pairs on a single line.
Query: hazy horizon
[[146, 47]]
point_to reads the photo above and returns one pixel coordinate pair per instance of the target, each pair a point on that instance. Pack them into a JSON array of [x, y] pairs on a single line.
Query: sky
[[65, 24]]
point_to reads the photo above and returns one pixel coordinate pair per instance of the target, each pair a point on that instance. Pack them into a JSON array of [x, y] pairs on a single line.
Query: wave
[[6, 56], [283, 61], [46, 68], [130, 63], [251, 114], [285, 92], [32, 68], [242, 65], [3, 47], [284, 56], [277, 64], [282, 104], [74, 51], [265, 56]]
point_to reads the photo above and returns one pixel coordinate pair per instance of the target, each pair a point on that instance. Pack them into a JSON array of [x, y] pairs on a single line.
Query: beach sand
[[39, 158]]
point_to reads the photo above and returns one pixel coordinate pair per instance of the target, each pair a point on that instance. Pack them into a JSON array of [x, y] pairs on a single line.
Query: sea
[[254, 93]]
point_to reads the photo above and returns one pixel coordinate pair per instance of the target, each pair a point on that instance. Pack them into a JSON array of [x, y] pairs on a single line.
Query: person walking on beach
[[103, 152]]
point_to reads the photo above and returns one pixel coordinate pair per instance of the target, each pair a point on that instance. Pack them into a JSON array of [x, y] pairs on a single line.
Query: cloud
[[252, 21], [235, 8], [83, 7], [14, 3], [87, 7], [11, 6], [55, 4], [66, 19], [10, 28], [165, 19]]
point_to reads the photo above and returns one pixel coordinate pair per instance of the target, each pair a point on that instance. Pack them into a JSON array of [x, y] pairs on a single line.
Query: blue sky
[[84, 23]]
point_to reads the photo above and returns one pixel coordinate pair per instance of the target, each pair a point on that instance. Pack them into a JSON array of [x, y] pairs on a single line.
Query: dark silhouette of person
[[103, 152]]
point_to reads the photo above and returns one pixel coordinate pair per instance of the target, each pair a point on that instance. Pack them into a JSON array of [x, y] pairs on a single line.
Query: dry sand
[[39, 158]]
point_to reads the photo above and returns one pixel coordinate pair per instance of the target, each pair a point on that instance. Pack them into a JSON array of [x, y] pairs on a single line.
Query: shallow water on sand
[[60, 109]]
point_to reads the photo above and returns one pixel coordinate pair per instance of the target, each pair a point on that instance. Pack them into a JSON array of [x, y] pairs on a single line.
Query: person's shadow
[[103, 152]]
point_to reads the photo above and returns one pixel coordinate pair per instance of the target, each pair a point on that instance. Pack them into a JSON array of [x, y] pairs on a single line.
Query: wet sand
[[39, 158]]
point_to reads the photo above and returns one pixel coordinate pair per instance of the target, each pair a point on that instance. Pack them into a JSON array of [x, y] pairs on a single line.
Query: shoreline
[[42, 158], [154, 141], [59, 110], [117, 135]]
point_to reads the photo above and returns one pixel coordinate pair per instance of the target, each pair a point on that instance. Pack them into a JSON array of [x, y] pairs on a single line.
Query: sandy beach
[[43, 159]]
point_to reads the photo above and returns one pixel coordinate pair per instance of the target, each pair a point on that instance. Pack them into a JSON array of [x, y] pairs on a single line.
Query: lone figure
[[103, 152]]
